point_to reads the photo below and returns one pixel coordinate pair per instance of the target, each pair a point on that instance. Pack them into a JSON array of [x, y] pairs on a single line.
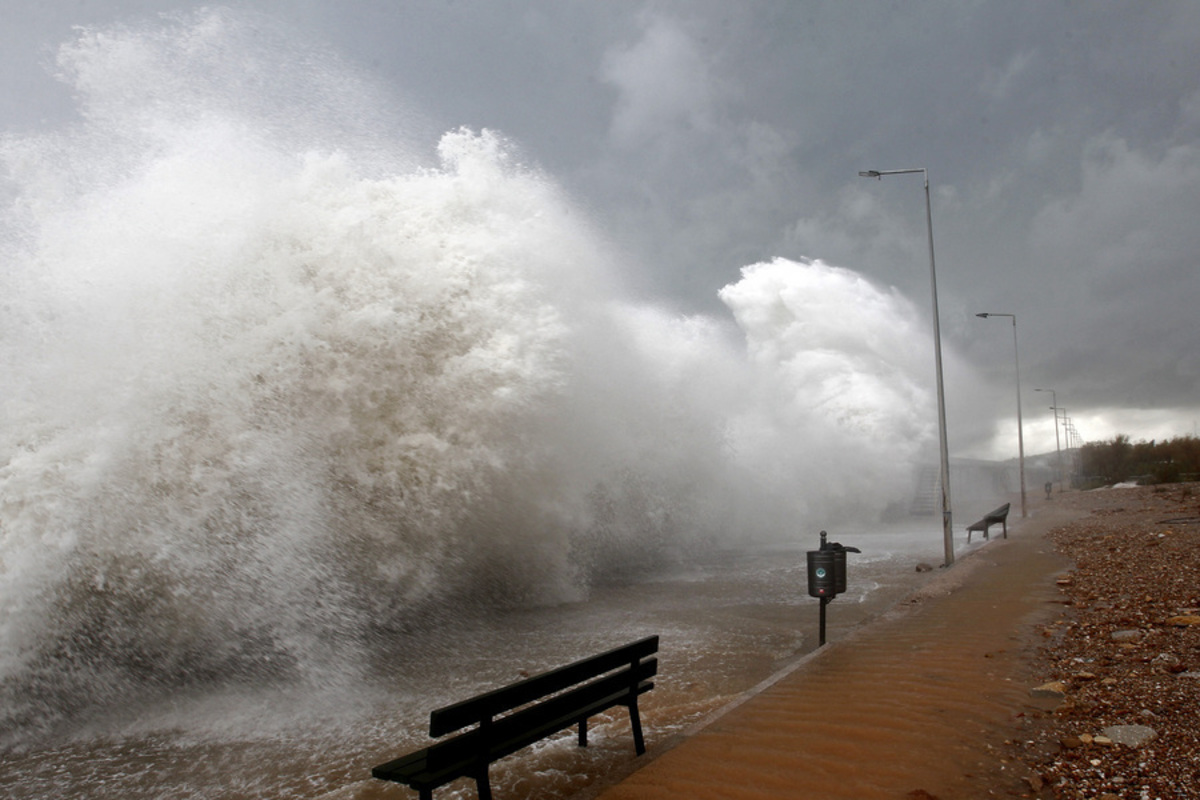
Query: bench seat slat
[[508, 719], [452, 758], [457, 757], [490, 704], [538, 721]]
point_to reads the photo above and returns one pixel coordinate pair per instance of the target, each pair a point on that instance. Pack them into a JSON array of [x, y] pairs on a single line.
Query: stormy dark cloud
[[1062, 141]]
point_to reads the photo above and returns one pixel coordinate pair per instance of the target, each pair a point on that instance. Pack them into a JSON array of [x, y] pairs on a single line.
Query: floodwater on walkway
[[727, 621]]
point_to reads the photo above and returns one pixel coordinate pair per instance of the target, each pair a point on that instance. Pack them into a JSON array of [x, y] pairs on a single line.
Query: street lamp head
[[871, 173], [984, 315]]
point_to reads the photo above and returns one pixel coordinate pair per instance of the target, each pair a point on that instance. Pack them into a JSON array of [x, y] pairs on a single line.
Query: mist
[[281, 370]]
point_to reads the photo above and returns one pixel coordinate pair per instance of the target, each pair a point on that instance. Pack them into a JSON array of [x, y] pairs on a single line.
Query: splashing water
[[275, 386]]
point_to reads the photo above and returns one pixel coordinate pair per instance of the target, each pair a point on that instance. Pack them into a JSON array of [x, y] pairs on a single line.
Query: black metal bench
[[997, 516], [513, 717]]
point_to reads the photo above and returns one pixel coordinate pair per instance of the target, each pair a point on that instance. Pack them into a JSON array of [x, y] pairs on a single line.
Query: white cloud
[[663, 83]]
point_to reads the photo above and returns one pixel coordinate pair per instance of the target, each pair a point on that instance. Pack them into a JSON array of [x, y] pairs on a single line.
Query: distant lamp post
[[1057, 445], [1074, 442], [1020, 434], [947, 526]]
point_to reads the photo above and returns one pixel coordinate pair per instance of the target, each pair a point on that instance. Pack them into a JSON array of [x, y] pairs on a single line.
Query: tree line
[[1119, 460]]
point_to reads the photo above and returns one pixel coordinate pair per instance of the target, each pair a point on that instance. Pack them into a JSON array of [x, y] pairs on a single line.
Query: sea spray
[[280, 385], [841, 401]]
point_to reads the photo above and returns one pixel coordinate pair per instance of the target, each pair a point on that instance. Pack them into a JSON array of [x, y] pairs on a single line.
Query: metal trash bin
[[827, 573]]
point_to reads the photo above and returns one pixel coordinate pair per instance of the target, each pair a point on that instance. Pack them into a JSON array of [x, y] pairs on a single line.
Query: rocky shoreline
[[1118, 712]]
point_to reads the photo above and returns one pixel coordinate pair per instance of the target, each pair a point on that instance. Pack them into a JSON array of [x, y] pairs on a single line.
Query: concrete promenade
[[904, 707]]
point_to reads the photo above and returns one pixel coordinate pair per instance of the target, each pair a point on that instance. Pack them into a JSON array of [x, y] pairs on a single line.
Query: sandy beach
[[1059, 662]]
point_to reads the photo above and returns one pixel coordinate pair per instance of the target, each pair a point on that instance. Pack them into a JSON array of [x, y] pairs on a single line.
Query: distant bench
[[997, 516], [515, 716]]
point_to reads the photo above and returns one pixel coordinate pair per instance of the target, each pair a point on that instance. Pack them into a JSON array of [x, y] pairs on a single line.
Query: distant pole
[[1057, 446], [1072, 443], [1020, 426], [947, 524]]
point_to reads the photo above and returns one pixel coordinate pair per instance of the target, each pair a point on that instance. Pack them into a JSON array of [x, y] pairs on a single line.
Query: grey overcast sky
[[1062, 140]]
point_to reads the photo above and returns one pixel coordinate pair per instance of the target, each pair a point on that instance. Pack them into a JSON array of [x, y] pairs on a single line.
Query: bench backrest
[[468, 712], [1002, 511]]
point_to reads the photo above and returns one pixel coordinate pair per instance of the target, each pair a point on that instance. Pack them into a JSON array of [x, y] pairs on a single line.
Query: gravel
[[1126, 652]]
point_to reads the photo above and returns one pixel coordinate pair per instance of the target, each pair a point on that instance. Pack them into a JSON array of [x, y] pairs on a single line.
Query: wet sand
[[911, 705]]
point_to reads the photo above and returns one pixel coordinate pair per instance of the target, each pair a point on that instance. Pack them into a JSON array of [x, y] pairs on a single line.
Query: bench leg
[[483, 786], [583, 733], [1005, 529], [635, 720]]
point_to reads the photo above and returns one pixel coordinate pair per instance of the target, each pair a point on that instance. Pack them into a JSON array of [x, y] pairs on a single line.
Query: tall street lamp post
[[1057, 446], [1020, 427], [947, 526]]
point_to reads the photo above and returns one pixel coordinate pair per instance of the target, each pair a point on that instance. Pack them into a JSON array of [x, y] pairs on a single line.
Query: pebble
[[1056, 690], [1131, 735]]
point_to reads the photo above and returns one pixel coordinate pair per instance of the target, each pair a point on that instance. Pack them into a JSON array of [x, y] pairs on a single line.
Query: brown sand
[[908, 706]]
